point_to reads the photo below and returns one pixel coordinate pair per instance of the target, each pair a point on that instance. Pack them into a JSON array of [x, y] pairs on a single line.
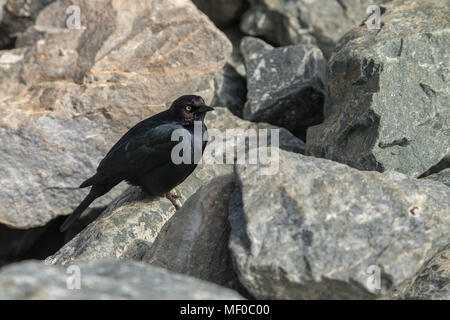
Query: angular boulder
[[195, 239], [388, 104], [318, 229], [285, 86]]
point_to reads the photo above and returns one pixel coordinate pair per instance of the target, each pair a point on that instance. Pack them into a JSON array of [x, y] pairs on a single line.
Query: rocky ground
[[357, 208]]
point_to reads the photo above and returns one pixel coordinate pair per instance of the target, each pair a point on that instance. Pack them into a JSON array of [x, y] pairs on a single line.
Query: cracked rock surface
[[313, 230], [285, 86], [432, 282], [195, 240], [388, 105]]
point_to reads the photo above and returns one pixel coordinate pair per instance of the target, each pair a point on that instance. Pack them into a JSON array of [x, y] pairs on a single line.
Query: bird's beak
[[204, 109]]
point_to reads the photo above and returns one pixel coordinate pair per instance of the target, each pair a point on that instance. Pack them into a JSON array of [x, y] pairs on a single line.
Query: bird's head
[[188, 109]]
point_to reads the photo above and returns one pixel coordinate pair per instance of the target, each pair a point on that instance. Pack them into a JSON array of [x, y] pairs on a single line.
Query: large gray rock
[[129, 226], [195, 240], [388, 106], [106, 279], [67, 95], [286, 22], [316, 228], [285, 86], [433, 280]]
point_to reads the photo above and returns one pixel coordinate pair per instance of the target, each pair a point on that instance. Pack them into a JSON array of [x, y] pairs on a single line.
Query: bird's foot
[[172, 197]]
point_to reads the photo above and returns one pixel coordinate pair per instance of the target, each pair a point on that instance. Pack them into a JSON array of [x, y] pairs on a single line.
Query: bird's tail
[[93, 194]]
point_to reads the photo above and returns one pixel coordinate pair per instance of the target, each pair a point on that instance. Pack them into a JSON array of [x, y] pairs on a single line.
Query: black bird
[[142, 157]]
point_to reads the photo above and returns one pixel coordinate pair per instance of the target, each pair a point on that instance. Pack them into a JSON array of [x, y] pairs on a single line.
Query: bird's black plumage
[[143, 155]]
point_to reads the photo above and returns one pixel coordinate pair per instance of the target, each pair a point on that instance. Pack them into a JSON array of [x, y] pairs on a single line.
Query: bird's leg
[[173, 198]]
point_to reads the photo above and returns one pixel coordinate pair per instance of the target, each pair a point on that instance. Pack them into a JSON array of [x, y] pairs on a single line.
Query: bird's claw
[[173, 198]]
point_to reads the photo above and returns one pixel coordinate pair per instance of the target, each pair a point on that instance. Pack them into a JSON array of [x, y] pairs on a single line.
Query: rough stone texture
[[285, 86], [230, 90], [195, 240], [286, 22], [312, 230], [222, 12], [16, 17], [439, 172], [130, 224], [106, 279], [441, 176], [432, 282], [128, 227], [67, 95], [222, 119], [388, 106], [250, 47]]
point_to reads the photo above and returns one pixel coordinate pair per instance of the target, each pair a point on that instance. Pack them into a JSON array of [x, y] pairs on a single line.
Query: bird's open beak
[[204, 109]]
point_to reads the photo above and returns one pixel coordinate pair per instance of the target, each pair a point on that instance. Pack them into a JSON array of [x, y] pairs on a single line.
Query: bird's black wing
[[140, 128], [140, 150]]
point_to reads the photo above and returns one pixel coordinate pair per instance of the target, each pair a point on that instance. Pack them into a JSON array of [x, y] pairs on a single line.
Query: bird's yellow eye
[[188, 108]]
